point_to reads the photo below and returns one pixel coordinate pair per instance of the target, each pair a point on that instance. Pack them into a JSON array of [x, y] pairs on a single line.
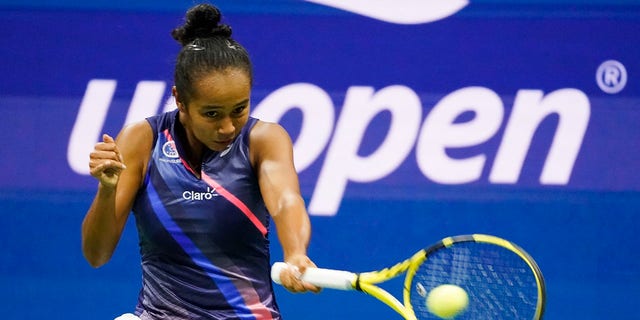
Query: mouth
[[223, 143], [227, 141]]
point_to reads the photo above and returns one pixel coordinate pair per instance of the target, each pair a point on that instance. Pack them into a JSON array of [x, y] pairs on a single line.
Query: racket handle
[[324, 278]]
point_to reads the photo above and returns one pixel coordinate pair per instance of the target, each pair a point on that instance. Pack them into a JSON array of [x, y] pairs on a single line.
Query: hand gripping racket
[[501, 280]]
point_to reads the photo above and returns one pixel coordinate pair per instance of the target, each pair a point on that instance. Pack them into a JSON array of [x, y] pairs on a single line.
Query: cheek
[[202, 128], [240, 122]]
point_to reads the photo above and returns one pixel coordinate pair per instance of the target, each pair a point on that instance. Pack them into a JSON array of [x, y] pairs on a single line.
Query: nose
[[226, 127]]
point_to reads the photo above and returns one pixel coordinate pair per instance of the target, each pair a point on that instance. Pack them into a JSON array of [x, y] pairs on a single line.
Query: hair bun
[[202, 21]]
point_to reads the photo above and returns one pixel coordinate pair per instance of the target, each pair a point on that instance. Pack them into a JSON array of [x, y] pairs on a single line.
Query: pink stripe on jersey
[[222, 191], [237, 202], [258, 309]]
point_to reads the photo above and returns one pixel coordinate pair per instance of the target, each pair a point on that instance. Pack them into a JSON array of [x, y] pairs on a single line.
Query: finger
[[107, 166], [304, 267], [298, 265], [297, 286], [98, 157], [108, 139], [291, 281], [103, 155], [287, 278], [302, 285], [104, 146], [310, 287]]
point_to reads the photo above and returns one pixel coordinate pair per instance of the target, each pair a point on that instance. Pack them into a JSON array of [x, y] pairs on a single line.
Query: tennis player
[[203, 182]]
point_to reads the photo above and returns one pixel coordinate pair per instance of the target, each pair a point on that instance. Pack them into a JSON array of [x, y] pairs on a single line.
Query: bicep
[[134, 143], [277, 176]]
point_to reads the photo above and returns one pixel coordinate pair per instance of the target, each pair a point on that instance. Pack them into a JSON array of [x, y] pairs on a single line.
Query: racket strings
[[500, 284]]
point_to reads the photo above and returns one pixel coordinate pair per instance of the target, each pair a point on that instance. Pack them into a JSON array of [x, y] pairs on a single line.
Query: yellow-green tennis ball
[[447, 300]]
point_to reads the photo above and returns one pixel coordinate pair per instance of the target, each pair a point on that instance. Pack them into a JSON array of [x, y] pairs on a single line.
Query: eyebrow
[[246, 101]]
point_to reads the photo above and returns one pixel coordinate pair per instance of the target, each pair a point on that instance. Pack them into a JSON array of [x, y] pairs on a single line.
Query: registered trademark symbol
[[611, 76]]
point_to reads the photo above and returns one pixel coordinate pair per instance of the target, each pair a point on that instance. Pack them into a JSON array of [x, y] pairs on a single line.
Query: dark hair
[[206, 46]]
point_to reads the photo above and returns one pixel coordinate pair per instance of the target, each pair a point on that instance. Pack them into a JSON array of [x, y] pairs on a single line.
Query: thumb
[[107, 138]]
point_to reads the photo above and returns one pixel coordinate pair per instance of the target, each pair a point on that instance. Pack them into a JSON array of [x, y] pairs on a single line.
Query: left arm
[[272, 158]]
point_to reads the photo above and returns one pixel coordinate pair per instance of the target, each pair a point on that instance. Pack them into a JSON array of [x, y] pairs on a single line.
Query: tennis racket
[[500, 279]]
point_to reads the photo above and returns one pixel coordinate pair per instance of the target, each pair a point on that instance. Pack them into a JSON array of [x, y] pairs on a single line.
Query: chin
[[218, 146]]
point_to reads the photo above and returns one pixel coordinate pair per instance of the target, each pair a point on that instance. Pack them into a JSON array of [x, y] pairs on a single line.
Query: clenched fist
[[105, 162]]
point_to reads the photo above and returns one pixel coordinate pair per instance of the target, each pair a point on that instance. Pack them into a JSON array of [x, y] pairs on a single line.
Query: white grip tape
[[324, 278]]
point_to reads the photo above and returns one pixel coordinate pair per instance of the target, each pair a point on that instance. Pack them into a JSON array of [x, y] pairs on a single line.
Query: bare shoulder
[[264, 131], [268, 139], [135, 142], [137, 134]]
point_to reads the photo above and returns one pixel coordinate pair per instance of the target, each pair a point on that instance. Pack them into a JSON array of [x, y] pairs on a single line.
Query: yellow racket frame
[[366, 281]]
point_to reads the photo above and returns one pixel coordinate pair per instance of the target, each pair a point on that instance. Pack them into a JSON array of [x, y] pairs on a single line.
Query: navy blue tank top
[[204, 241]]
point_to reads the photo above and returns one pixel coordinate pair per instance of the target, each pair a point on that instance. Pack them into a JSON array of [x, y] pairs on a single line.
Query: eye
[[239, 110], [211, 114]]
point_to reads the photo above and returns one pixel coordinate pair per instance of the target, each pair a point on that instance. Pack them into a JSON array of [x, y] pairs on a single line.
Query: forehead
[[222, 87]]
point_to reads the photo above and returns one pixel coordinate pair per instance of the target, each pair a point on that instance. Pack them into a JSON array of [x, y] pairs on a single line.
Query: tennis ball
[[447, 300]]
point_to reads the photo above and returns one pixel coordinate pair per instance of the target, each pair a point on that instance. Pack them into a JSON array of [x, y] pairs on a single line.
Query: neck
[[192, 147]]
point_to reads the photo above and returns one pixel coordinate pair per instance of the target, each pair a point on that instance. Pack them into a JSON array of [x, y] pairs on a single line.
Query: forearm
[[101, 229], [294, 229]]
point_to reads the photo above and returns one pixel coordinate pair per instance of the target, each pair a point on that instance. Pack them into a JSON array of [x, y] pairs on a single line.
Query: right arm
[[119, 166]]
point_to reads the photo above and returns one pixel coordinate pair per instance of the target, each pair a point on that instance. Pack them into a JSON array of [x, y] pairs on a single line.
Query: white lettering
[[444, 129], [317, 121], [192, 195], [87, 129], [611, 76], [145, 101], [89, 123], [439, 132], [343, 163], [529, 109]]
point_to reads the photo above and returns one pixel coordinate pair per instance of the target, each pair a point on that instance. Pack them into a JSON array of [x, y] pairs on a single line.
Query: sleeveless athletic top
[[204, 242]]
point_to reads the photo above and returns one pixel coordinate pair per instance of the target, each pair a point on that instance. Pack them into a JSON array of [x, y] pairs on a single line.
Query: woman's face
[[218, 108]]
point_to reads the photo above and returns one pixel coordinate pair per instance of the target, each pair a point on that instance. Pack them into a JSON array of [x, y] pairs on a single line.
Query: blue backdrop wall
[[514, 118]]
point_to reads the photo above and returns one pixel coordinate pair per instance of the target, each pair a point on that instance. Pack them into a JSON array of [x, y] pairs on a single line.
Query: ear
[[179, 103]]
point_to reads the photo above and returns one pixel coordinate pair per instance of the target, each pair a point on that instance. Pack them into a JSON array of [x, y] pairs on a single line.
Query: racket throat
[[357, 283]]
